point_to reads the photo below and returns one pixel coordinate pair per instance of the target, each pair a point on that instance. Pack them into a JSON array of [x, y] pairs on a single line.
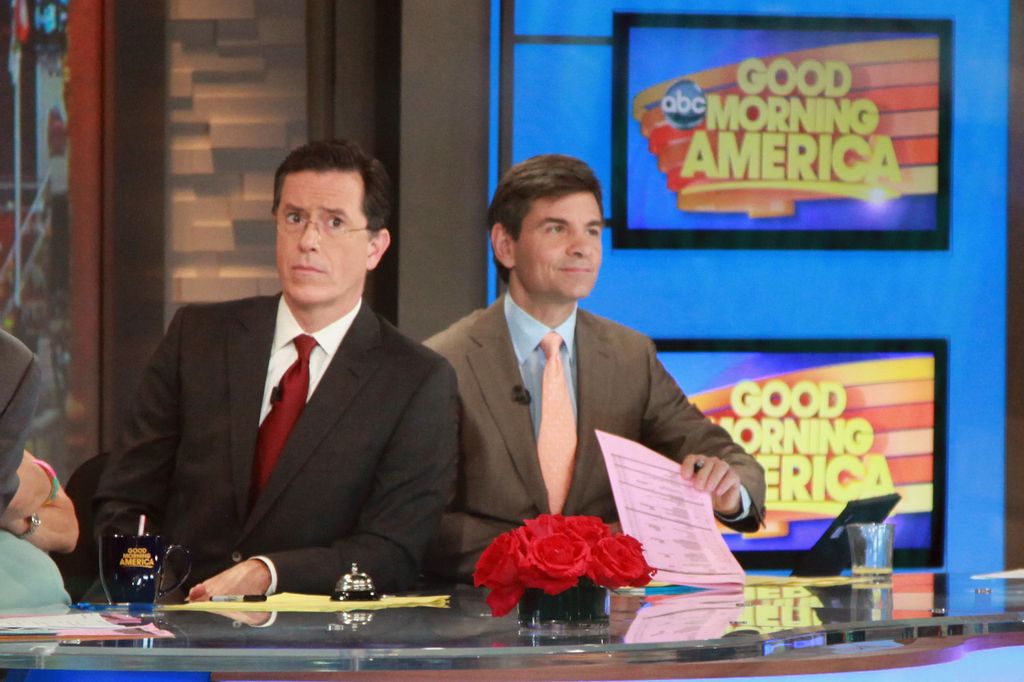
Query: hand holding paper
[[714, 476], [668, 514]]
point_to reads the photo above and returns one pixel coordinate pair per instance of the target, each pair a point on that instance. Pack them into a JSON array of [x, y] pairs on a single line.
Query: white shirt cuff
[[273, 573], [270, 621]]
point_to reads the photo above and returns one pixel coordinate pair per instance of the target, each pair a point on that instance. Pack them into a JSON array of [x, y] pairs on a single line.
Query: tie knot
[[550, 344], [304, 344]]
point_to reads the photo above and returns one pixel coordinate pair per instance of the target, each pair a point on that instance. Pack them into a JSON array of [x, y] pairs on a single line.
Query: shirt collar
[[527, 331], [329, 338]]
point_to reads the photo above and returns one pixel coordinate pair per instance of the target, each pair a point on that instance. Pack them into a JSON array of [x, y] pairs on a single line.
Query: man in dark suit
[[546, 224], [363, 474]]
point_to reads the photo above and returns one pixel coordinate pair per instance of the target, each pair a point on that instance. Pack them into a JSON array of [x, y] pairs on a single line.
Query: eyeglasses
[[331, 227]]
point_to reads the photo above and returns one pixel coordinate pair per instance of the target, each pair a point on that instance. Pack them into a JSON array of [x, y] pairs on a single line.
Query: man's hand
[[254, 619], [713, 475], [248, 577]]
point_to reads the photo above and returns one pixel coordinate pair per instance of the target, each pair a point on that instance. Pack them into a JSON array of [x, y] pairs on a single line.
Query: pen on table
[[93, 606], [239, 597]]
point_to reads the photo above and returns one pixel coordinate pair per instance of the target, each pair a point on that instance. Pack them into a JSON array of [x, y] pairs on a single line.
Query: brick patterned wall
[[236, 105]]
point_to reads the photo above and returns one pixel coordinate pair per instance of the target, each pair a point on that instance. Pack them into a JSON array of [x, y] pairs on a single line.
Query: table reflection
[[767, 617]]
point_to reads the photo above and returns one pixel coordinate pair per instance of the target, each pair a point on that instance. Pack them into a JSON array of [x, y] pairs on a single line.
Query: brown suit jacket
[[622, 388]]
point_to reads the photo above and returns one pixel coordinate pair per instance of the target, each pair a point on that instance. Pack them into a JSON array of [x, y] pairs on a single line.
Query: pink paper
[[673, 520], [707, 614]]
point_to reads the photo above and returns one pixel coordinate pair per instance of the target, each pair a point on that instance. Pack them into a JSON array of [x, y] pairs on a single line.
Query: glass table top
[[767, 618]]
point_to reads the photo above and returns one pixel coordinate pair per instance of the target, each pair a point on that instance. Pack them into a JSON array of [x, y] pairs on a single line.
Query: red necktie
[[556, 442], [286, 403]]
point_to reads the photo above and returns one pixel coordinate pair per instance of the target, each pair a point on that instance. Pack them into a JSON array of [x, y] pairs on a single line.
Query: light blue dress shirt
[[527, 332]]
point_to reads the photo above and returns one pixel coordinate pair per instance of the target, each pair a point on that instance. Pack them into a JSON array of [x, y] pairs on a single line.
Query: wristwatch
[[33, 524]]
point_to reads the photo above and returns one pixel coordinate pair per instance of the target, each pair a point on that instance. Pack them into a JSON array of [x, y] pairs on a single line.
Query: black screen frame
[[624, 237]]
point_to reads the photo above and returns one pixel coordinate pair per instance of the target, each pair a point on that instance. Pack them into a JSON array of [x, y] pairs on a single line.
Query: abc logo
[[684, 105]]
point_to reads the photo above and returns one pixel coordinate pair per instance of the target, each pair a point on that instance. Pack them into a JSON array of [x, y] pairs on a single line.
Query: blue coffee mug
[[132, 567]]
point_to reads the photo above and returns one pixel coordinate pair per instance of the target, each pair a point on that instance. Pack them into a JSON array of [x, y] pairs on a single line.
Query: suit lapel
[[248, 353], [494, 367], [594, 367], [353, 364]]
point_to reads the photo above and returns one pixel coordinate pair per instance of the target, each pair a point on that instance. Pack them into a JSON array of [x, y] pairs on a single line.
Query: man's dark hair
[[548, 176], [341, 155]]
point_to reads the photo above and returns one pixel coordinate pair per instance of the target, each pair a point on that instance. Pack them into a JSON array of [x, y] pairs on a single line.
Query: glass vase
[[577, 608]]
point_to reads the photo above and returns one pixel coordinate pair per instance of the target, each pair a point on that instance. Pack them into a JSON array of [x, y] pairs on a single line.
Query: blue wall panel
[[562, 103]]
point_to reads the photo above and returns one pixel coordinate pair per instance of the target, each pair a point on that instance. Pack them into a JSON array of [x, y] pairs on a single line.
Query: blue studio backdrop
[[561, 87]]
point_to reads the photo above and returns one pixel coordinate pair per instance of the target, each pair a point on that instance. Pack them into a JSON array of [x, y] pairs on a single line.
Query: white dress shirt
[[283, 353]]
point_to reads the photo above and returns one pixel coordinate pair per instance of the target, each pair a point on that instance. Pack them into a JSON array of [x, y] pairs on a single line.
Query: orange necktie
[[556, 442]]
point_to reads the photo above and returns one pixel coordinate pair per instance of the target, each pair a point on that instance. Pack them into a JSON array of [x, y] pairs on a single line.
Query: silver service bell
[[354, 586]]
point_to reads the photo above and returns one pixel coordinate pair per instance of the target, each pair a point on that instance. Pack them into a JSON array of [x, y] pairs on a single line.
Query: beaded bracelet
[[52, 475]]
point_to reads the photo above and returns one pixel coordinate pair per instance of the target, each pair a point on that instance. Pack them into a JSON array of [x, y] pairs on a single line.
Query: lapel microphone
[[520, 395], [276, 394]]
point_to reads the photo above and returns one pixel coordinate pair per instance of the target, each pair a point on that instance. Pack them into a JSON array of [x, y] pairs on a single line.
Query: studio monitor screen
[[781, 132], [830, 421]]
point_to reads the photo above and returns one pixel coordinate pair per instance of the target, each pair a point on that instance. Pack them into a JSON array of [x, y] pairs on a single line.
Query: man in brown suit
[[546, 224]]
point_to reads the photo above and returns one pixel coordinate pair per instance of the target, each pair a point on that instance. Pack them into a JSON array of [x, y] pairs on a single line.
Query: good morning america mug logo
[[684, 105], [780, 132]]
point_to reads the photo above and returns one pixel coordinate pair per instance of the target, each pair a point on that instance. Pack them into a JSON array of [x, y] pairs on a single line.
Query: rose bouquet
[[554, 553]]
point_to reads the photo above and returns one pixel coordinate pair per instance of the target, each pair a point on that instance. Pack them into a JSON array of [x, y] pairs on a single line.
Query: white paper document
[[76, 621], [673, 520], [74, 624]]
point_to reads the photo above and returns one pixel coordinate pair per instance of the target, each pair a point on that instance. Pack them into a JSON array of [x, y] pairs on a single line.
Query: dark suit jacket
[[20, 379], [622, 388], [363, 477]]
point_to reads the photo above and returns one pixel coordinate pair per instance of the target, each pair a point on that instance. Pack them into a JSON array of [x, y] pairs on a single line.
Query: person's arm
[[57, 530], [55, 526], [34, 488], [136, 479], [20, 373], [675, 427], [716, 477], [249, 577]]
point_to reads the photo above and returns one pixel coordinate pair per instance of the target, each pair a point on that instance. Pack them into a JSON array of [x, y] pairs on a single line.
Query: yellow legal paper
[[291, 601]]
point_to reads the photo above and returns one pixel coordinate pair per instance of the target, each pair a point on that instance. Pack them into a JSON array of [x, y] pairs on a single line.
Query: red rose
[[498, 566], [554, 563], [503, 599], [590, 529], [545, 525], [617, 561], [552, 552]]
